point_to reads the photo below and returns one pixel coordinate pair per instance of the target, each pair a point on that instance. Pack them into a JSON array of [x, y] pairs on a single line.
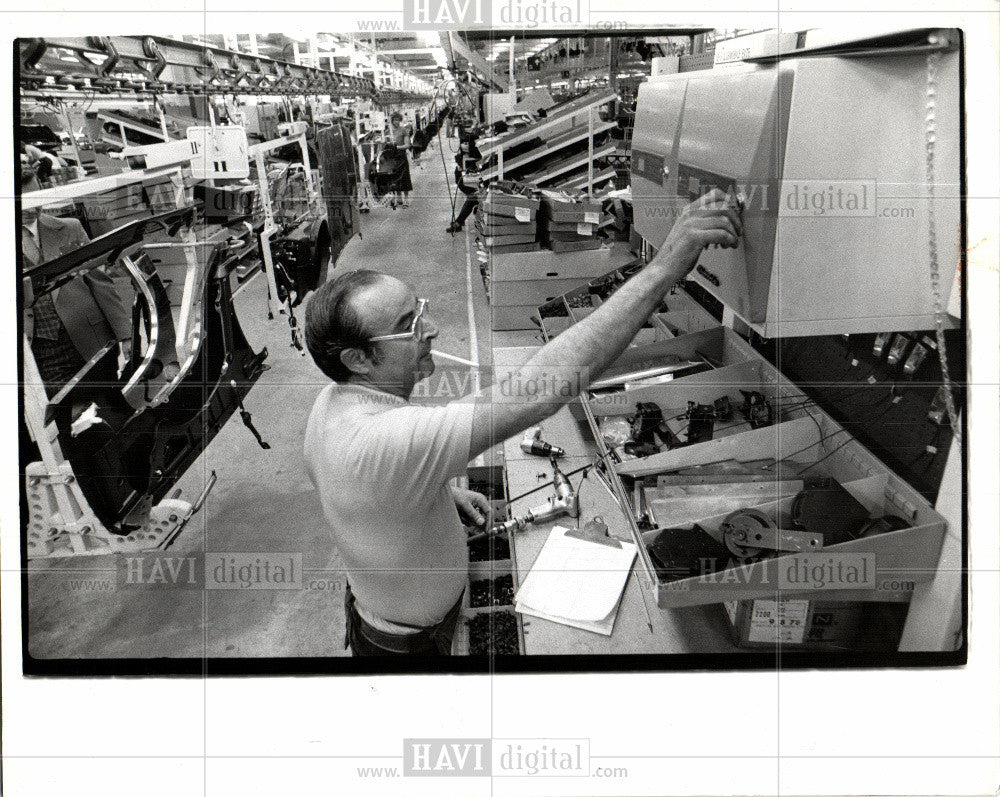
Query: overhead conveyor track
[[157, 65]]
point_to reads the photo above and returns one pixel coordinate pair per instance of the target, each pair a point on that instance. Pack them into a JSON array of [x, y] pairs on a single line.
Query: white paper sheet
[[576, 581], [605, 626]]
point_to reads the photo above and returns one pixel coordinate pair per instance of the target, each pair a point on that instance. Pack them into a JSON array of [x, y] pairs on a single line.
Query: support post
[[590, 152], [513, 82]]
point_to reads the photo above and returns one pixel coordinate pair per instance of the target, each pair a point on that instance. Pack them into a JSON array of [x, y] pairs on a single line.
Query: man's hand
[[474, 508], [712, 219]]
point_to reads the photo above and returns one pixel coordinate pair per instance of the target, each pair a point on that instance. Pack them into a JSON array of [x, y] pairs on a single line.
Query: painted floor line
[[473, 338]]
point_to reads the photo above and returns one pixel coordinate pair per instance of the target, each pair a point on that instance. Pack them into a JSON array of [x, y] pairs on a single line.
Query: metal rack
[[558, 116], [156, 65], [549, 148], [585, 125]]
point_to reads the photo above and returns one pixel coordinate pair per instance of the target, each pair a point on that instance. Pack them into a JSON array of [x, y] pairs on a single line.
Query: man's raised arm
[[560, 369]]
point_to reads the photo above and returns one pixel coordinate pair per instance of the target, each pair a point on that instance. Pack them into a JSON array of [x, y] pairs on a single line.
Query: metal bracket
[[31, 53], [111, 56], [239, 73], [749, 533], [213, 65], [153, 51], [595, 531]]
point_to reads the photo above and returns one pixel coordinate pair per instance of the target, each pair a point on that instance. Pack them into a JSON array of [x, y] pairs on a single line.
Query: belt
[[436, 637]]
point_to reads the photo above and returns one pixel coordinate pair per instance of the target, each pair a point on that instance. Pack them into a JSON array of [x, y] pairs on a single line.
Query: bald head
[[347, 311], [383, 305], [333, 322]]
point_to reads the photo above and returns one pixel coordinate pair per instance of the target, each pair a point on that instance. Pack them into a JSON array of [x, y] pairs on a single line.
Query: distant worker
[[464, 178], [400, 135], [68, 326], [40, 162]]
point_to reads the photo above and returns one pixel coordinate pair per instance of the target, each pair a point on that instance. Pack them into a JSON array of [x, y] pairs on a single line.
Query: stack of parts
[[568, 223], [506, 219]]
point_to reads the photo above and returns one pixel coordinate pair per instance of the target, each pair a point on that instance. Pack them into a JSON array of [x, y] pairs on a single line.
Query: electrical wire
[[452, 197], [587, 467], [806, 448], [826, 456], [840, 446], [438, 91]]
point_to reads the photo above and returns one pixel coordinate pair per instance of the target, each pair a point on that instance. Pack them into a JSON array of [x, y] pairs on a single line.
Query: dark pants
[[470, 204], [364, 640]]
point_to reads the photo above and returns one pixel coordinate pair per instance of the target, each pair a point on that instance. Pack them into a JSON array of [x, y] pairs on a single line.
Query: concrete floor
[[263, 501]]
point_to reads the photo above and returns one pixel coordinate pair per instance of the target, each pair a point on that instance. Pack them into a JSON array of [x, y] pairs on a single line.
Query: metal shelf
[[570, 164], [910, 554], [608, 173], [548, 148], [573, 108]]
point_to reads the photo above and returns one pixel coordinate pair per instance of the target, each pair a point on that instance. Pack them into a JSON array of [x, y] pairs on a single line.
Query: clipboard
[[578, 578], [595, 531]]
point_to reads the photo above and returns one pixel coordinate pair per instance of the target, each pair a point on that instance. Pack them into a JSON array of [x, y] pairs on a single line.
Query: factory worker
[[382, 464]]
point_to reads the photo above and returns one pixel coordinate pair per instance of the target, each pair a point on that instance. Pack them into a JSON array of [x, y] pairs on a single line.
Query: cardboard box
[[515, 248], [510, 200], [500, 225], [507, 240], [520, 213], [523, 316], [506, 294], [815, 625], [550, 265], [576, 227], [567, 205], [575, 246], [570, 236]]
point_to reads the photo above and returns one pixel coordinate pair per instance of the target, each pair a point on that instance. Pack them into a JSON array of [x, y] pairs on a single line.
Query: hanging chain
[[933, 65]]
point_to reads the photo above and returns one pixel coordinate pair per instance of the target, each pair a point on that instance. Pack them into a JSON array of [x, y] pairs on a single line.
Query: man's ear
[[356, 361]]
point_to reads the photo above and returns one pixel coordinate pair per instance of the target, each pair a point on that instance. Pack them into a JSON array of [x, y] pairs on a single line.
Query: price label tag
[[522, 214], [583, 228], [778, 621], [592, 217]]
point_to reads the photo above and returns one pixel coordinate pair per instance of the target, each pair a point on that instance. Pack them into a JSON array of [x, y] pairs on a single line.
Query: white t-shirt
[[381, 466]]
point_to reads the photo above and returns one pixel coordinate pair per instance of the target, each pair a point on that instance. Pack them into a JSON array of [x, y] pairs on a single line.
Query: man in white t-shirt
[[382, 465]]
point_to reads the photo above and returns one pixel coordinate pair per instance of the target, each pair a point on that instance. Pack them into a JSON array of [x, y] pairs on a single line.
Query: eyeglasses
[[416, 330]]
